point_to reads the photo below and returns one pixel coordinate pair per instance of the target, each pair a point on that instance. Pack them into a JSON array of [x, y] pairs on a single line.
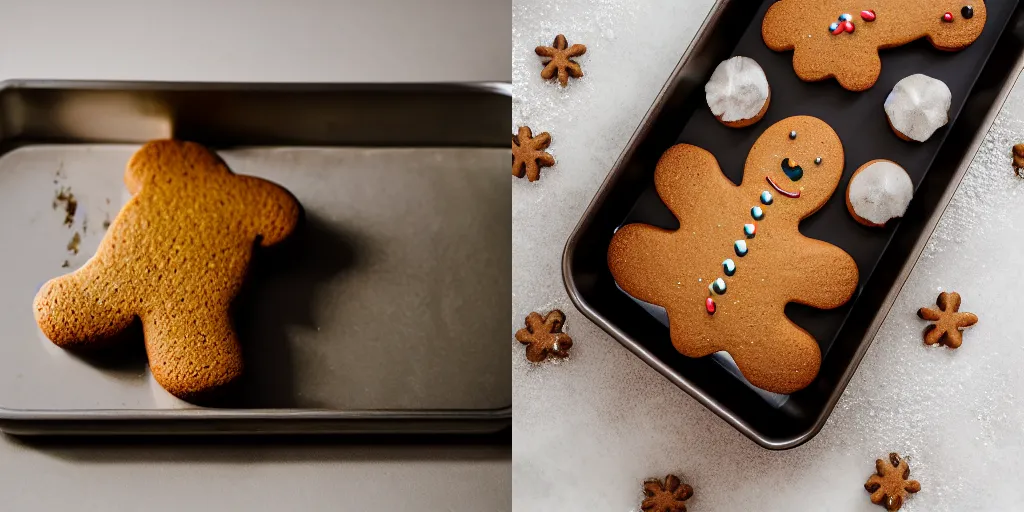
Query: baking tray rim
[[710, 22], [491, 420]]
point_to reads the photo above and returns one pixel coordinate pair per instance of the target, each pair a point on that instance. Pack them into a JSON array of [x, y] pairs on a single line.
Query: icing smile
[[780, 190]]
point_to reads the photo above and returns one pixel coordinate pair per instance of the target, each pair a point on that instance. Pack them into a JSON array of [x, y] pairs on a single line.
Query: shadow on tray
[[278, 294]]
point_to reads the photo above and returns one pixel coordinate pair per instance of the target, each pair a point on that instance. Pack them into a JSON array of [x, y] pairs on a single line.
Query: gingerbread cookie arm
[[828, 276], [78, 311], [685, 175], [636, 262], [275, 210], [779, 367]]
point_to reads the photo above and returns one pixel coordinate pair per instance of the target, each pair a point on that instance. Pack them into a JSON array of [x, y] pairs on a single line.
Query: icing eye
[[967, 12], [792, 135], [793, 171]]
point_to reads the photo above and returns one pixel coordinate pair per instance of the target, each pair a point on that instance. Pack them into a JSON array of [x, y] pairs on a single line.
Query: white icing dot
[[737, 89], [918, 105], [881, 191]]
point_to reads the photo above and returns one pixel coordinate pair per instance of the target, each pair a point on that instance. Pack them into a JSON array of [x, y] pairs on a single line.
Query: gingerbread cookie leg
[[70, 311], [192, 350], [779, 367]]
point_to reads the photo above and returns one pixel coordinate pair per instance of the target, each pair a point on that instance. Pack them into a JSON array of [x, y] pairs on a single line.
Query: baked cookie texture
[[823, 49], [725, 276], [173, 258]]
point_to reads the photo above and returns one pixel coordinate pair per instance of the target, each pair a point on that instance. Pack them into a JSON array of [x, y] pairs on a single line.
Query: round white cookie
[[917, 106], [879, 191], [738, 92]]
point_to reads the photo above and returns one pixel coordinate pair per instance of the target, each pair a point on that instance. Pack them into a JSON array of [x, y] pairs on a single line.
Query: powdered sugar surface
[[737, 89], [588, 430], [918, 105], [881, 191]]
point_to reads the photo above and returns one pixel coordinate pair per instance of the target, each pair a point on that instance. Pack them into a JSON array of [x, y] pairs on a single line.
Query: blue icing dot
[[845, 17], [766, 197], [749, 230], [833, 27], [741, 248], [718, 286], [729, 266], [757, 213]]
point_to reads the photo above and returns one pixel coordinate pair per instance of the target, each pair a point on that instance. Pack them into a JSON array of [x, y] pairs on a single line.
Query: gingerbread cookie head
[[837, 39], [173, 259], [958, 25], [800, 162]]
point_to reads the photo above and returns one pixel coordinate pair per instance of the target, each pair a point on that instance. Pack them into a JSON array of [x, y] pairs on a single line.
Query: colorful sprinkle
[[867, 15], [741, 248], [833, 27], [718, 286], [848, 26], [817, 161], [709, 304], [757, 213], [845, 17], [792, 135], [749, 230], [967, 12], [729, 266], [838, 30], [947, 17], [766, 197]]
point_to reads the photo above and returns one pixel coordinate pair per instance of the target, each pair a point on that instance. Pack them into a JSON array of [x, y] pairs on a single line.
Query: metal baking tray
[[980, 77], [387, 312]]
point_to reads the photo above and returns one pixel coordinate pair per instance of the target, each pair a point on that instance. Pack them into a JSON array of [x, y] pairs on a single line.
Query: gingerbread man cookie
[[725, 276], [173, 258], [841, 39]]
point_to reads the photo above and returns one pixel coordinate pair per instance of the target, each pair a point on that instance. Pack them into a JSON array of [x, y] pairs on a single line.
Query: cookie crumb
[[74, 243], [66, 264], [67, 198], [891, 483], [543, 335], [667, 496], [948, 321], [106, 223]]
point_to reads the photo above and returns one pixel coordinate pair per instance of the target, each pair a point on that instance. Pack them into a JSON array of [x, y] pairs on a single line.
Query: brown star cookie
[[559, 56], [528, 154], [949, 321], [890, 484], [1018, 159], [667, 496], [543, 335]]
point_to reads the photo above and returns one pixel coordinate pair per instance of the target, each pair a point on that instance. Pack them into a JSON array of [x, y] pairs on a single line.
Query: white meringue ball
[[918, 105], [880, 191], [737, 89]]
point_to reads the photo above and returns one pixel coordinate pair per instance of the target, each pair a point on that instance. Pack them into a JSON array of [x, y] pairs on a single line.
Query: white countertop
[[590, 429], [233, 40]]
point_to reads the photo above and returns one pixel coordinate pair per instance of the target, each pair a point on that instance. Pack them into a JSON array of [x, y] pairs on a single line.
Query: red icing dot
[[848, 26], [867, 15], [947, 17], [710, 305]]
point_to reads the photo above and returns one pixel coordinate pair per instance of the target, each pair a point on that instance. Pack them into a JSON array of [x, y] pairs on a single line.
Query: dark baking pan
[[979, 77], [385, 313]]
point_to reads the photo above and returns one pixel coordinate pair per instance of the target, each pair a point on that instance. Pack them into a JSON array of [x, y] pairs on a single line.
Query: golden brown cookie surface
[[726, 275], [174, 257], [841, 39]]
